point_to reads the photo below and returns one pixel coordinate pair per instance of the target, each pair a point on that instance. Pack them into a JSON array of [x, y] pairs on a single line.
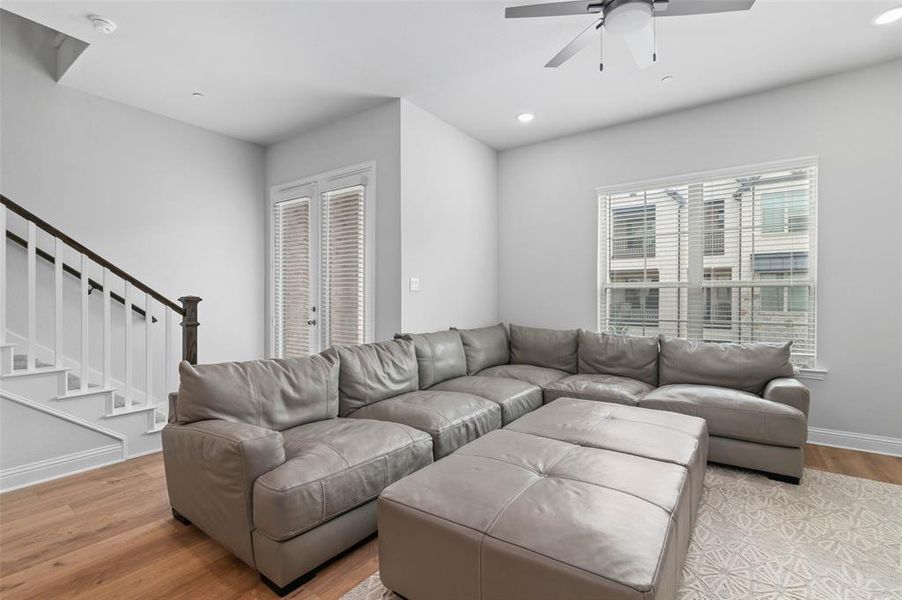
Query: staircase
[[86, 358]]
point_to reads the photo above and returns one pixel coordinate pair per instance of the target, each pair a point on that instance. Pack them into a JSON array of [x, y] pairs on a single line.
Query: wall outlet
[[414, 284]]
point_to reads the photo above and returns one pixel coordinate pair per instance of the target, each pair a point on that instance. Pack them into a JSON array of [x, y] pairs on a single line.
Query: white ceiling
[[271, 69]]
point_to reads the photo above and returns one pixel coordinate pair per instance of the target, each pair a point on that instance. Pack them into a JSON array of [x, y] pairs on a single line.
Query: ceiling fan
[[633, 20]]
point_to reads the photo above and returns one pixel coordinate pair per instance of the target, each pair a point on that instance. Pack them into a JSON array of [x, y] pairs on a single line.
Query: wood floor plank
[[108, 534]]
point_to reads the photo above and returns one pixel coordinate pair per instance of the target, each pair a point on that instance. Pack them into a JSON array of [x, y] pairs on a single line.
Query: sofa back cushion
[[552, 348], [485, 347], [746, 367], [373, 372], [440, 356], [275, 394], [621, 355]]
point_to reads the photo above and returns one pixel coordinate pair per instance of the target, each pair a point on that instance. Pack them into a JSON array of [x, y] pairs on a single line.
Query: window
[[634, 231], [714, 227], [320, 257], [784, 211], [728, 256]]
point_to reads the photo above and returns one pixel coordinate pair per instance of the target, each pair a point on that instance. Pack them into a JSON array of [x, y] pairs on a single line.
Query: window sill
[[814, 374]]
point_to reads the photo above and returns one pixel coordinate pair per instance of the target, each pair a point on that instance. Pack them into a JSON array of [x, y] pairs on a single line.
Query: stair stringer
[[44, 470]]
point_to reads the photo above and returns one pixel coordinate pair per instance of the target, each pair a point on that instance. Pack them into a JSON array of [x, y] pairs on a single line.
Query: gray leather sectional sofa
[[282, 460]]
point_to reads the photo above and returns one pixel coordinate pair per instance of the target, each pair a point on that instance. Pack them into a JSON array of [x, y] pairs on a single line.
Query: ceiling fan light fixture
[[632, 21], [889, 16]]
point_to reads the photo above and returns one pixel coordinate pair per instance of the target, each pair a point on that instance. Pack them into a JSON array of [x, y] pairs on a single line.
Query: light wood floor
[[108, 534]]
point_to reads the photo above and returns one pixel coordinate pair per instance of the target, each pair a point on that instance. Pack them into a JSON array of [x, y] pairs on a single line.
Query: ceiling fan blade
[[554, 9], [578, 43], [678, 8]]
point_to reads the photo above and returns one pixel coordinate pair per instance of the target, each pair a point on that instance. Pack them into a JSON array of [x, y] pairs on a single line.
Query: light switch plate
[[414, 284]]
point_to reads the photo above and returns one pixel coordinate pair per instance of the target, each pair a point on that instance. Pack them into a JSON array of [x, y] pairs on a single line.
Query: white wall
[[373, 135], [449, 225], [174, 205], [852, 121]]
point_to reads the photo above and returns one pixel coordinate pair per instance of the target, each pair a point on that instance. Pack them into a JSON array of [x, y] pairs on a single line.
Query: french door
[[320, 255]]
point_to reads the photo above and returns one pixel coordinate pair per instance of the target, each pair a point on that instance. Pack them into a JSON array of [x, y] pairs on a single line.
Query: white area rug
[[833, 536]]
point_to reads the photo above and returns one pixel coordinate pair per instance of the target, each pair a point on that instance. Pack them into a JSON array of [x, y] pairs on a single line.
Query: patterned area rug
[[833, 536]]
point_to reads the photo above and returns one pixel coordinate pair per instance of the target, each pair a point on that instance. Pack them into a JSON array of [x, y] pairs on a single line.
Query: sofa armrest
[[211, 467], [791, 392]]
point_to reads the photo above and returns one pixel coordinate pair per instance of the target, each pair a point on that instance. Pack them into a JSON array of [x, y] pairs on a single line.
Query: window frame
[[677, 181], [363, 173]]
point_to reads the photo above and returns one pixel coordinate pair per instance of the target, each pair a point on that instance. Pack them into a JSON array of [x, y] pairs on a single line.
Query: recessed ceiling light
[[893, 14], [198, 94], [102, 25], [525, 117], [667, 79]]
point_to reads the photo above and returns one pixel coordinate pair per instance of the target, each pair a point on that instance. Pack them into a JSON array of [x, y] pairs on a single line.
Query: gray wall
[[175, 205], [852, 121], [373, 135], [449, 225]]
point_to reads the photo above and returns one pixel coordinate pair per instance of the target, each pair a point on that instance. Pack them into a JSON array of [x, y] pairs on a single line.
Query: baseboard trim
[[855, 441], [59, 466]]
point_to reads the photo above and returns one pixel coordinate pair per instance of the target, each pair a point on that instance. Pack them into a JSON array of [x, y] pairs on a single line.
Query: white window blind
[[343, 268], [291, 257], [725, 257]]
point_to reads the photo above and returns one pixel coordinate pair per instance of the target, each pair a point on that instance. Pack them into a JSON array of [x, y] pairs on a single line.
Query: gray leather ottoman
[[518, 515], [665, 436]]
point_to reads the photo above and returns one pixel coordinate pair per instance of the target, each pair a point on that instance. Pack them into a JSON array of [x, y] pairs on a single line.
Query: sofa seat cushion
[[331, 467], [451, 418], [515, 397], [733, 414], [605, 388], [540, 376]]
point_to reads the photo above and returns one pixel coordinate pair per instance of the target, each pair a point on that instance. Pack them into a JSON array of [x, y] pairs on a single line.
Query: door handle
[[311, 322]]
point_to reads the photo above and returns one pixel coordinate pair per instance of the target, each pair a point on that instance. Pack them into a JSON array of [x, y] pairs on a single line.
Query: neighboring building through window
[[636, 306], [719, 300], [729, 256], [633, 231]]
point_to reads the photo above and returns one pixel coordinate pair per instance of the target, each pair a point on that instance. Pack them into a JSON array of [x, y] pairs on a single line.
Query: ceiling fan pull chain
[[654, 34], [601, 46]]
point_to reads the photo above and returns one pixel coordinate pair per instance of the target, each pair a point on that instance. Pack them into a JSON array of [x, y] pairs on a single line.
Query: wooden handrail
[[82, 249], [93, 285], [187, 309]]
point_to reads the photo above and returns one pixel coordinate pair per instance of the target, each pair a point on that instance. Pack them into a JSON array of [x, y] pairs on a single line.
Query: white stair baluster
[[107, 327], [58, 252], [148, 349], [3, 276], [128, 345], [31, 319], [84, 324]]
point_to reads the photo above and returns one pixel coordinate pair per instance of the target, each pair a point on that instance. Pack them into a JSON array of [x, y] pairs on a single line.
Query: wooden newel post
[[189, 328]]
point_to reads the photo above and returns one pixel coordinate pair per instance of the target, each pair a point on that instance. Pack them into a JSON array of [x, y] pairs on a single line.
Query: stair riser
[[39, 388]]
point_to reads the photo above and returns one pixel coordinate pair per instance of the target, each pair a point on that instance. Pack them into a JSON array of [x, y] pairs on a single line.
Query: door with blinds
[[320, 257]]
